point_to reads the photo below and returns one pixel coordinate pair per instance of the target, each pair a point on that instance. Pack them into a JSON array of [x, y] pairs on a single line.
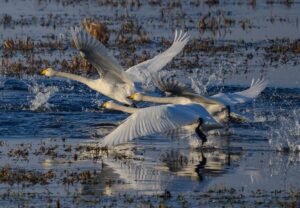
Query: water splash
[[200, 79], [149, 84], [286, 135], [42, 95]]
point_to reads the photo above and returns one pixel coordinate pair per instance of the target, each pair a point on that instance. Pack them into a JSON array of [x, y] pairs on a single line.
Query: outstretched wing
[[243, 96], [173, 87], [141, 71], [169, 85], [96, 54], [156, 119]]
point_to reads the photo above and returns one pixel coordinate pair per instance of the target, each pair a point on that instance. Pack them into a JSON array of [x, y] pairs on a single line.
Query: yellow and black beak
[[103, 105], [43, 71], [132, 96]]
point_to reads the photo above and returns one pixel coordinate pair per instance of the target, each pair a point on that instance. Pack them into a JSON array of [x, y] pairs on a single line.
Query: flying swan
[[114, 81], [219, 105], [158, 119]]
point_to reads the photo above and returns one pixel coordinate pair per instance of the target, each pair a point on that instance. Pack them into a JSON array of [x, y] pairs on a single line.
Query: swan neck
[[122, 108], [206, 101], [209, 101], [163, 100], [73, 77]]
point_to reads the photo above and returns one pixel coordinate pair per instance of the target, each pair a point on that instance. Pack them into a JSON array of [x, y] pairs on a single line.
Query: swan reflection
[[158, 169]]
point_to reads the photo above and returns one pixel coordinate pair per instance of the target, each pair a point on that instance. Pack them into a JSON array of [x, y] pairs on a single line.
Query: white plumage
[[249, 94], [216, 105], [157, 119], [141, 71], [96, 54], [114, 81]]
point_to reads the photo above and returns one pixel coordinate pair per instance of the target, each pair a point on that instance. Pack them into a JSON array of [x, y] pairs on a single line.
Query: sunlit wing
[[169, 85], [243, 96], [173, 87], [158, 62], [156, 119], [96, 54]]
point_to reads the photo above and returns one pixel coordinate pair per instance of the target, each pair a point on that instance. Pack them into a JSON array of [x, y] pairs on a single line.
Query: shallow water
[[249, 156], [55, 124]]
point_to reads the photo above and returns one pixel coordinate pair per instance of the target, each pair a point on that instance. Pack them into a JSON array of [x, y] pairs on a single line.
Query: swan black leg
[[199, 132], [228, 112]]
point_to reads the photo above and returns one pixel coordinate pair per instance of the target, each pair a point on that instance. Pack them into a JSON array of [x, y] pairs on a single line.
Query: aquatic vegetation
[[18, 44], [6, 20], [97, 29], [212, 2], [12, 176], [214, 23], [284, 46], [49, 152], [209, 46], [131, 32]]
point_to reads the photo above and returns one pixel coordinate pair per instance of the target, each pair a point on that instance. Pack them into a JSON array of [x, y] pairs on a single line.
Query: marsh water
[[53, 125]]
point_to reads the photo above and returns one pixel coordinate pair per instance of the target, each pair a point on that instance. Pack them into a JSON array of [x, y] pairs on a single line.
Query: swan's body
[[114, 81], [157, 119], [217, 110], [217, 105]]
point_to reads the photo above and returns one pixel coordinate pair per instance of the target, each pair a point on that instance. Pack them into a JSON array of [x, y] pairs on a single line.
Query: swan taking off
[[219, 105], [114, 81], [158, 119]]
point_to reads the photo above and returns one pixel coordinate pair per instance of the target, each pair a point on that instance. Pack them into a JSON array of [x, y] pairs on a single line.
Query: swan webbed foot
[[199, 131]]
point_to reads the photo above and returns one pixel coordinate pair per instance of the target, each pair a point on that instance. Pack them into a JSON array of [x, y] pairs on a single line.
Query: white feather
[[151, 66], [114, 82], [215, 105], [243, 96], [157, 119], [96, 54]]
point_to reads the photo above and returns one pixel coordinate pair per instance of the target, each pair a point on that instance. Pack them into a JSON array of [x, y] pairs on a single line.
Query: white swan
[[219, 105], [114, 81], [157, 119]]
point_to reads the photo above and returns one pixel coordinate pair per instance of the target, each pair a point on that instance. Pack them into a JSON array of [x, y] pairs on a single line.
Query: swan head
[[137, 96], [107, 105], [49, 72]]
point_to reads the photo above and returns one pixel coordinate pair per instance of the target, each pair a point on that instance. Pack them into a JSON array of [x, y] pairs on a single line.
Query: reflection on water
[[178, 170], [63, 139], [243, 156], [54, 124]]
